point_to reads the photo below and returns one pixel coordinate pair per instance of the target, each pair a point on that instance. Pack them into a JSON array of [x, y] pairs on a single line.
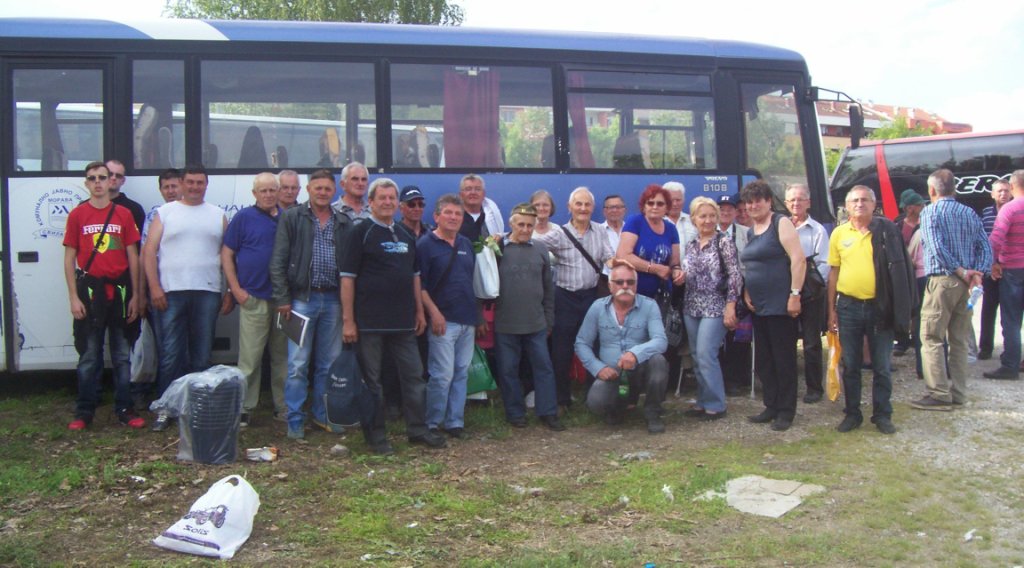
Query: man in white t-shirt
[[182, 257]]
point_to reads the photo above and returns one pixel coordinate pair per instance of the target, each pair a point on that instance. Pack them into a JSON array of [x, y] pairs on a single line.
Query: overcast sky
[[961, 59]]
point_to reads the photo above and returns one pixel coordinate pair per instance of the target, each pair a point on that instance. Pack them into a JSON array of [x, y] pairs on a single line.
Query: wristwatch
[[794, 291]]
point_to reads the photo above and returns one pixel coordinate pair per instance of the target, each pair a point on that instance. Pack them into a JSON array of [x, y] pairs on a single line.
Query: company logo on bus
[[978, 184], [52, 210]]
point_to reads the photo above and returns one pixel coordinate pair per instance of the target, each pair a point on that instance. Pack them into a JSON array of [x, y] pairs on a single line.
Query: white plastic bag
[[144, 363], [218, 523], [485, 275]]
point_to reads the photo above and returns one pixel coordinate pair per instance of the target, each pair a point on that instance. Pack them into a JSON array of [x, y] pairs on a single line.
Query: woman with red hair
[[651, 245]]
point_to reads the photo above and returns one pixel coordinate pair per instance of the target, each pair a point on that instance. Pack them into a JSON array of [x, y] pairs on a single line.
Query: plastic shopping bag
[[835, 353], [218, 523], [485, 275], [144, 363], [480, 376]]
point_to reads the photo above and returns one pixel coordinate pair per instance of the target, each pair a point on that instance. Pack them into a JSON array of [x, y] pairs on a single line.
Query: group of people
[[371, 274]]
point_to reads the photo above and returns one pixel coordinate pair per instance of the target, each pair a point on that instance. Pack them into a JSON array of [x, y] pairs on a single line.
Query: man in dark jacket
[[304, 277], [870, 294]]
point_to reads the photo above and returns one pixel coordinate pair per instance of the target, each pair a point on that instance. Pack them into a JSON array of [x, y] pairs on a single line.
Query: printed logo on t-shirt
[[847, 243], [395, 248], [109, 240]]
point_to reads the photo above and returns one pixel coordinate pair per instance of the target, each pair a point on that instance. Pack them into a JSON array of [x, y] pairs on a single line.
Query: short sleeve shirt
[[651, 247], [85, 223], [382, 259], [851, 251], [251, 236]]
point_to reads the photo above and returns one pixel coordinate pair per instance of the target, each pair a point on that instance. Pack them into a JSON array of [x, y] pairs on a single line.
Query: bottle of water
[[972, 300]]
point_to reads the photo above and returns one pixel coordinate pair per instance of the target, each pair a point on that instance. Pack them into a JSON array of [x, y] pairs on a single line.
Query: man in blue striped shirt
[[956, 256]]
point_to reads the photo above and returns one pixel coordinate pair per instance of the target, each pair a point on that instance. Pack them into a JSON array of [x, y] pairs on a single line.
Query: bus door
[[58, 123]]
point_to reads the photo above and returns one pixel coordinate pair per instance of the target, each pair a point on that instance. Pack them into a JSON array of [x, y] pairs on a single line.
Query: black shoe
[[694, 412], [765, 417], [432, 439], [457, 433], [984, 355], [781, 423], [850, 422], [654, 424], [928, 403], [1002, 374], [382, 448], [812, 397], [161, 423], [517, 422], [552, 423], [884, 425], [711, 417]]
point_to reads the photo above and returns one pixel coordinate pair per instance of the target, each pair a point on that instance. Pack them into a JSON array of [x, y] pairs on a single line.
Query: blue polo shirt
[[251, 235], [454, 296]]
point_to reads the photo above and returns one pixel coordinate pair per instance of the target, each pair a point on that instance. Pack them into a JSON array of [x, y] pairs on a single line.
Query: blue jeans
[[324, 330], [448, 367], [186, 334], [859, 319], [508, 349], [1011, 312], [90, 371], [705, 336]]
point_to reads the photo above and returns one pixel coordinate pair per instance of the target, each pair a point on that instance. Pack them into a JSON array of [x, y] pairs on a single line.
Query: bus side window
[[158, 92], [58, 118]]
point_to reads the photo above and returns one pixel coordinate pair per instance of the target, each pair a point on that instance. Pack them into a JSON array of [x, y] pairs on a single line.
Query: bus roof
[[385, 34], [937, 137]]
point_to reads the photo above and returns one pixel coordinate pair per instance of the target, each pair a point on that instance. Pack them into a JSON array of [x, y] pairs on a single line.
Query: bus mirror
[[856, 125], [811, 95]]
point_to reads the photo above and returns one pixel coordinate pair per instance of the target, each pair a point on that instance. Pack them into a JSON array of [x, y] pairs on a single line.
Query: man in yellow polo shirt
[[871, 292]]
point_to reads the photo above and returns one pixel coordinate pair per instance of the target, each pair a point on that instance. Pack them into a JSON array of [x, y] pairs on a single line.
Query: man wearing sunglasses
[[116, 181], [628, 332]]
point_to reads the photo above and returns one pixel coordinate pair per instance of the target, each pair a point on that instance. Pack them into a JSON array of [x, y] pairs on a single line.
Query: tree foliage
[[898, 128], [434, 12]]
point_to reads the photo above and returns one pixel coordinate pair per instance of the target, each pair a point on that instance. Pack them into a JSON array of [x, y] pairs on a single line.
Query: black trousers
[[570, 309], [812, 322], [989, 309], [402, 348], [775, 361]]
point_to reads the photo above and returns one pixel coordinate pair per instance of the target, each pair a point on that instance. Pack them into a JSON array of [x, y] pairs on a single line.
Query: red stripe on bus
[[889, 206]]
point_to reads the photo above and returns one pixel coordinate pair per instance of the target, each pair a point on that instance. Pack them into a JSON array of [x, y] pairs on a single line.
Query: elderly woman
[[712, 288], [651, 244], [545, 206], [773, 250]]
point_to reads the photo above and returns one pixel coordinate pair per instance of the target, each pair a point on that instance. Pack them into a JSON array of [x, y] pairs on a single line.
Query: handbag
[[480, 376], [814, 285], [672, 318], [218, 523], [723, 278], [486, 284], [347, 400]]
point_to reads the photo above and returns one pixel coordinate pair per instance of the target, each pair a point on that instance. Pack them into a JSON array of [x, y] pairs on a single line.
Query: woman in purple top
[[709, 308], [651, 245]]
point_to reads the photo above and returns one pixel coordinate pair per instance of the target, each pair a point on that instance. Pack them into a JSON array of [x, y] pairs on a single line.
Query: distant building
[[834, 121]]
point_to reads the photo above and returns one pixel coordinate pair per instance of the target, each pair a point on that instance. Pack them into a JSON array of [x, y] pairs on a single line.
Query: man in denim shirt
[[630, 338]]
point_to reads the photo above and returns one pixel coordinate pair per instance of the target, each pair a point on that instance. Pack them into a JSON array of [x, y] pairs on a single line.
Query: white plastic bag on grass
[[218, 523]]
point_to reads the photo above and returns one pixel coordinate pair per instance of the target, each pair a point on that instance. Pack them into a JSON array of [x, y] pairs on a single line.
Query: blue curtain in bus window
[[471, 135], [582, 156]]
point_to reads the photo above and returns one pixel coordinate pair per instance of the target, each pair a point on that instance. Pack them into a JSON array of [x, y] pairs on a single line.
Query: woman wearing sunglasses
[[651, 245], [709, 308]]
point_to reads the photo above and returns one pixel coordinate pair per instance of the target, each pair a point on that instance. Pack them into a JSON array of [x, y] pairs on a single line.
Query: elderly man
[[481, 217], [871, 294], [245, 256], [304, 277], [523, 320], [1007, 242], [814, 241], [446, 270], [182, 257], [630, 339], [382, 309], [354, 179], [614, 219], [581, 250], [101, 240], [1001, 195], [288, 189], [687, 232], [956, 256]]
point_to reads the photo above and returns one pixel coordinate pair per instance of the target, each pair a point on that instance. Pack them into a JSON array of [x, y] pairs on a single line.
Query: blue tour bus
[[422, 105]]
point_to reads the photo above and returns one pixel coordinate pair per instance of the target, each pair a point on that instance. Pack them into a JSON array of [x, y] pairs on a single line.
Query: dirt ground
[[119, 516]]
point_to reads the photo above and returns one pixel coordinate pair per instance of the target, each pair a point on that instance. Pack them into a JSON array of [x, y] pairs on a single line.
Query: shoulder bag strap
[[99, 240], [582, 250], [447, 270]]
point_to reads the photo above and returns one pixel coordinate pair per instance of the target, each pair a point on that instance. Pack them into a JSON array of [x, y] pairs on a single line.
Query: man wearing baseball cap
[[736, 357]]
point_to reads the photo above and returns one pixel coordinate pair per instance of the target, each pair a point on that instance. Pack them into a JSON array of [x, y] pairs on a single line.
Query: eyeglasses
[[96, 178], [797, 200], [627, 282], [117, 176], [415, 204], [655, 203]]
